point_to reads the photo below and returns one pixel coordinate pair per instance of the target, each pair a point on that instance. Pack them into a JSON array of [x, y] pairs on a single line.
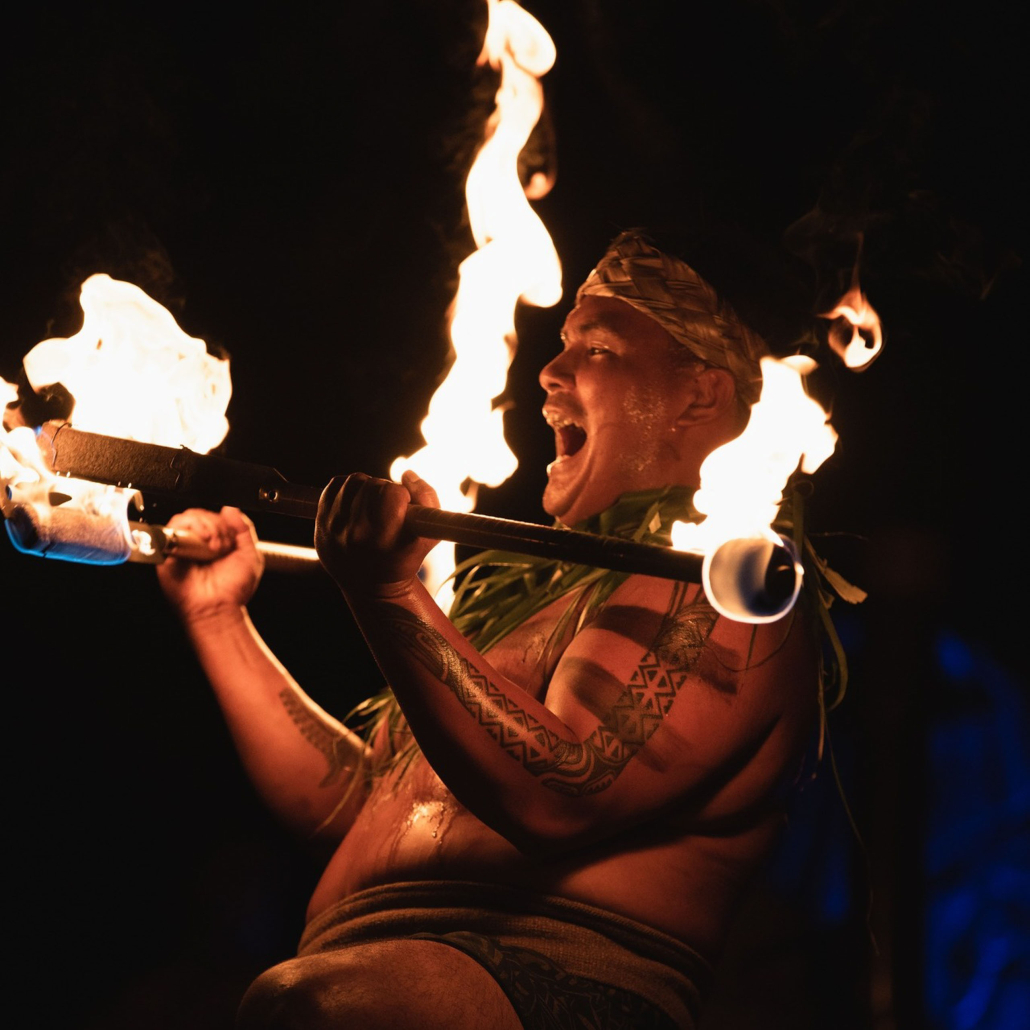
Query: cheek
[[638, 406], [645, 408], [646, 419]]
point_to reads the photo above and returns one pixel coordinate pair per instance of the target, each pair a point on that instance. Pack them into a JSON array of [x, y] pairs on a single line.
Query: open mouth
[[570, 439], [569, 436]]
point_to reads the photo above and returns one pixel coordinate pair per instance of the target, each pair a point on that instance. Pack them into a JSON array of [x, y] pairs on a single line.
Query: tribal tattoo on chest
[[572, 767]]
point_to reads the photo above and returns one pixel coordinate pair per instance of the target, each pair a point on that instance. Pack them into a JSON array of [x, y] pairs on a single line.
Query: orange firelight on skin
[[515, 260]]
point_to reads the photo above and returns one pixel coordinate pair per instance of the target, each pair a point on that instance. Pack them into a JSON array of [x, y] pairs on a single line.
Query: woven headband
[[681, 302]]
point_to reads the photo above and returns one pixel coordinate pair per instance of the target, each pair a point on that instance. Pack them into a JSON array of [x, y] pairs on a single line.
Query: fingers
[[334, 507], [360, 533], [347, 502], [361, 510], [242, 528], [381, 506], [419, 490], [214, 529]]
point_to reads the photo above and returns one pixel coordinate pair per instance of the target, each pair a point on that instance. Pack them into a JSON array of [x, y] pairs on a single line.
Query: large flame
[[515, 260], [742, 482], [132, 373]]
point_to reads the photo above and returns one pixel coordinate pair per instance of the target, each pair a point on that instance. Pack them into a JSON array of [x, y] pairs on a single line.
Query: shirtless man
[[588, 799]]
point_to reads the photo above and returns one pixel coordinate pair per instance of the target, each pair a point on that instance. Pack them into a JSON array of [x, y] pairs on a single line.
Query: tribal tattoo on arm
[[332, 743], [568, 767]]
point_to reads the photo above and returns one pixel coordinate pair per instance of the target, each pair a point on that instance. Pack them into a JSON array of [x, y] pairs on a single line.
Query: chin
[[571, 504], [553, 506], [558, 506]]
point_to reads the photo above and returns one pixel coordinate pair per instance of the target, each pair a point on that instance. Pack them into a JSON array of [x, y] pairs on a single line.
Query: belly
[[683, 883], [415, 829]]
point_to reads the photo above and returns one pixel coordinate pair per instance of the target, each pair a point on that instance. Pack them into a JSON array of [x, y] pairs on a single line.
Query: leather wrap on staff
[[208, 480]]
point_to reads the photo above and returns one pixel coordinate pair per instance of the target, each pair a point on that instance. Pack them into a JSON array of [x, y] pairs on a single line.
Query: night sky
[[290, 186]]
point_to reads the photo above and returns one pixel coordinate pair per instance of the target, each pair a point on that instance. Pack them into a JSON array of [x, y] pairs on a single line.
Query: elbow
[[542, 836], [539, 822]]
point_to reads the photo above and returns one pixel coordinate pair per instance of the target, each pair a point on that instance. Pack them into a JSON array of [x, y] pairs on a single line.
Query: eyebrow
[[586, 327]]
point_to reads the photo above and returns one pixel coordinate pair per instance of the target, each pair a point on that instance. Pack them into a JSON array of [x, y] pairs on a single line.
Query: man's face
[[613, 397]]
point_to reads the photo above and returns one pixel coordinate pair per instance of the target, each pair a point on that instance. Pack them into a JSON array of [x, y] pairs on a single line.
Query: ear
[[714, 393]]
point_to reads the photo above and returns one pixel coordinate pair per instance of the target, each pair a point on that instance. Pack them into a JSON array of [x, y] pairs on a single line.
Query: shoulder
[[674, 626], [714, 712]]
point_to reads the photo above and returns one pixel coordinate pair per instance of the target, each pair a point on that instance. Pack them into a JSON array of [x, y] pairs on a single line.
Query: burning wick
[[132, 372], [741, 490], [855, 332], [90, 525]]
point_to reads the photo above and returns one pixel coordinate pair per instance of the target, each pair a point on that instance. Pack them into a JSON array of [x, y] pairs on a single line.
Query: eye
[[594, 350]]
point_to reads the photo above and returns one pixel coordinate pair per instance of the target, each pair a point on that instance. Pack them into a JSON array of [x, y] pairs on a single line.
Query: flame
[[855, 333], [133, 373], [515, 260], [742, 482]]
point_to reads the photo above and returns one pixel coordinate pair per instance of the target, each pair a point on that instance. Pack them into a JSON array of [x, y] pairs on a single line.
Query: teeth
[[569, 434], [558, 421]]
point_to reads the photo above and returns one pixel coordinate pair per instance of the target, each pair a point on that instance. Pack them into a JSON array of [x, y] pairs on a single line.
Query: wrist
[[214, 619], [369, 593]]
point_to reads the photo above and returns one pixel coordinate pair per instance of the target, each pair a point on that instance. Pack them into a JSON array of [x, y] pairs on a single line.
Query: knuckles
[[360, 533], [357, 508]]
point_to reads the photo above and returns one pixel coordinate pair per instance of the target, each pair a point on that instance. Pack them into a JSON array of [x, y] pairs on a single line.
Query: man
[[563, 842]]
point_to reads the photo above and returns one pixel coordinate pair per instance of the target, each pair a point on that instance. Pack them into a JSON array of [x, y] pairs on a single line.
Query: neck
[[625, 516]]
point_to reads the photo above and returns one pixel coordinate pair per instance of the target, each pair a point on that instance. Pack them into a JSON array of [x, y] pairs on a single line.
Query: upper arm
[[675, 709]]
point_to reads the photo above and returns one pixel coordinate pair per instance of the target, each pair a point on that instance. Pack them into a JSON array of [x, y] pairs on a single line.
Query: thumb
[[419, 490], [241, 527]]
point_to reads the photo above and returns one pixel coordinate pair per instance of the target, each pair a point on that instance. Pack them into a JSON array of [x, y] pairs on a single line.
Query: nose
[[557, 373]]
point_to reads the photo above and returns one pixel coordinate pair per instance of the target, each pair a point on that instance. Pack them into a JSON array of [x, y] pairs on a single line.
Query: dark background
[[289, 185]]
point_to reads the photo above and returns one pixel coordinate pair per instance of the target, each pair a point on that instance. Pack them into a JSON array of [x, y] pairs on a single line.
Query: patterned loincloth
[[564, 965]]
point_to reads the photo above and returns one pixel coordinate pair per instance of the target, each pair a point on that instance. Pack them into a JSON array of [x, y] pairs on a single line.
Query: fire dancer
[[556, 810]]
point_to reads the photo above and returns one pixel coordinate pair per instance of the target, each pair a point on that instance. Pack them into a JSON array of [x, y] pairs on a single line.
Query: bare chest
[[528, 654]]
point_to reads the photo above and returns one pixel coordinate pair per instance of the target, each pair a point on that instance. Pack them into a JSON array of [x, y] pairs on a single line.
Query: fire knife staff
[[754, 580]]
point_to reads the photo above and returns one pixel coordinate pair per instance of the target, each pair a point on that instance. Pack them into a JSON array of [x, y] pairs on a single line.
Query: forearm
[[545, 778], [493, 744], [302, 761]]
